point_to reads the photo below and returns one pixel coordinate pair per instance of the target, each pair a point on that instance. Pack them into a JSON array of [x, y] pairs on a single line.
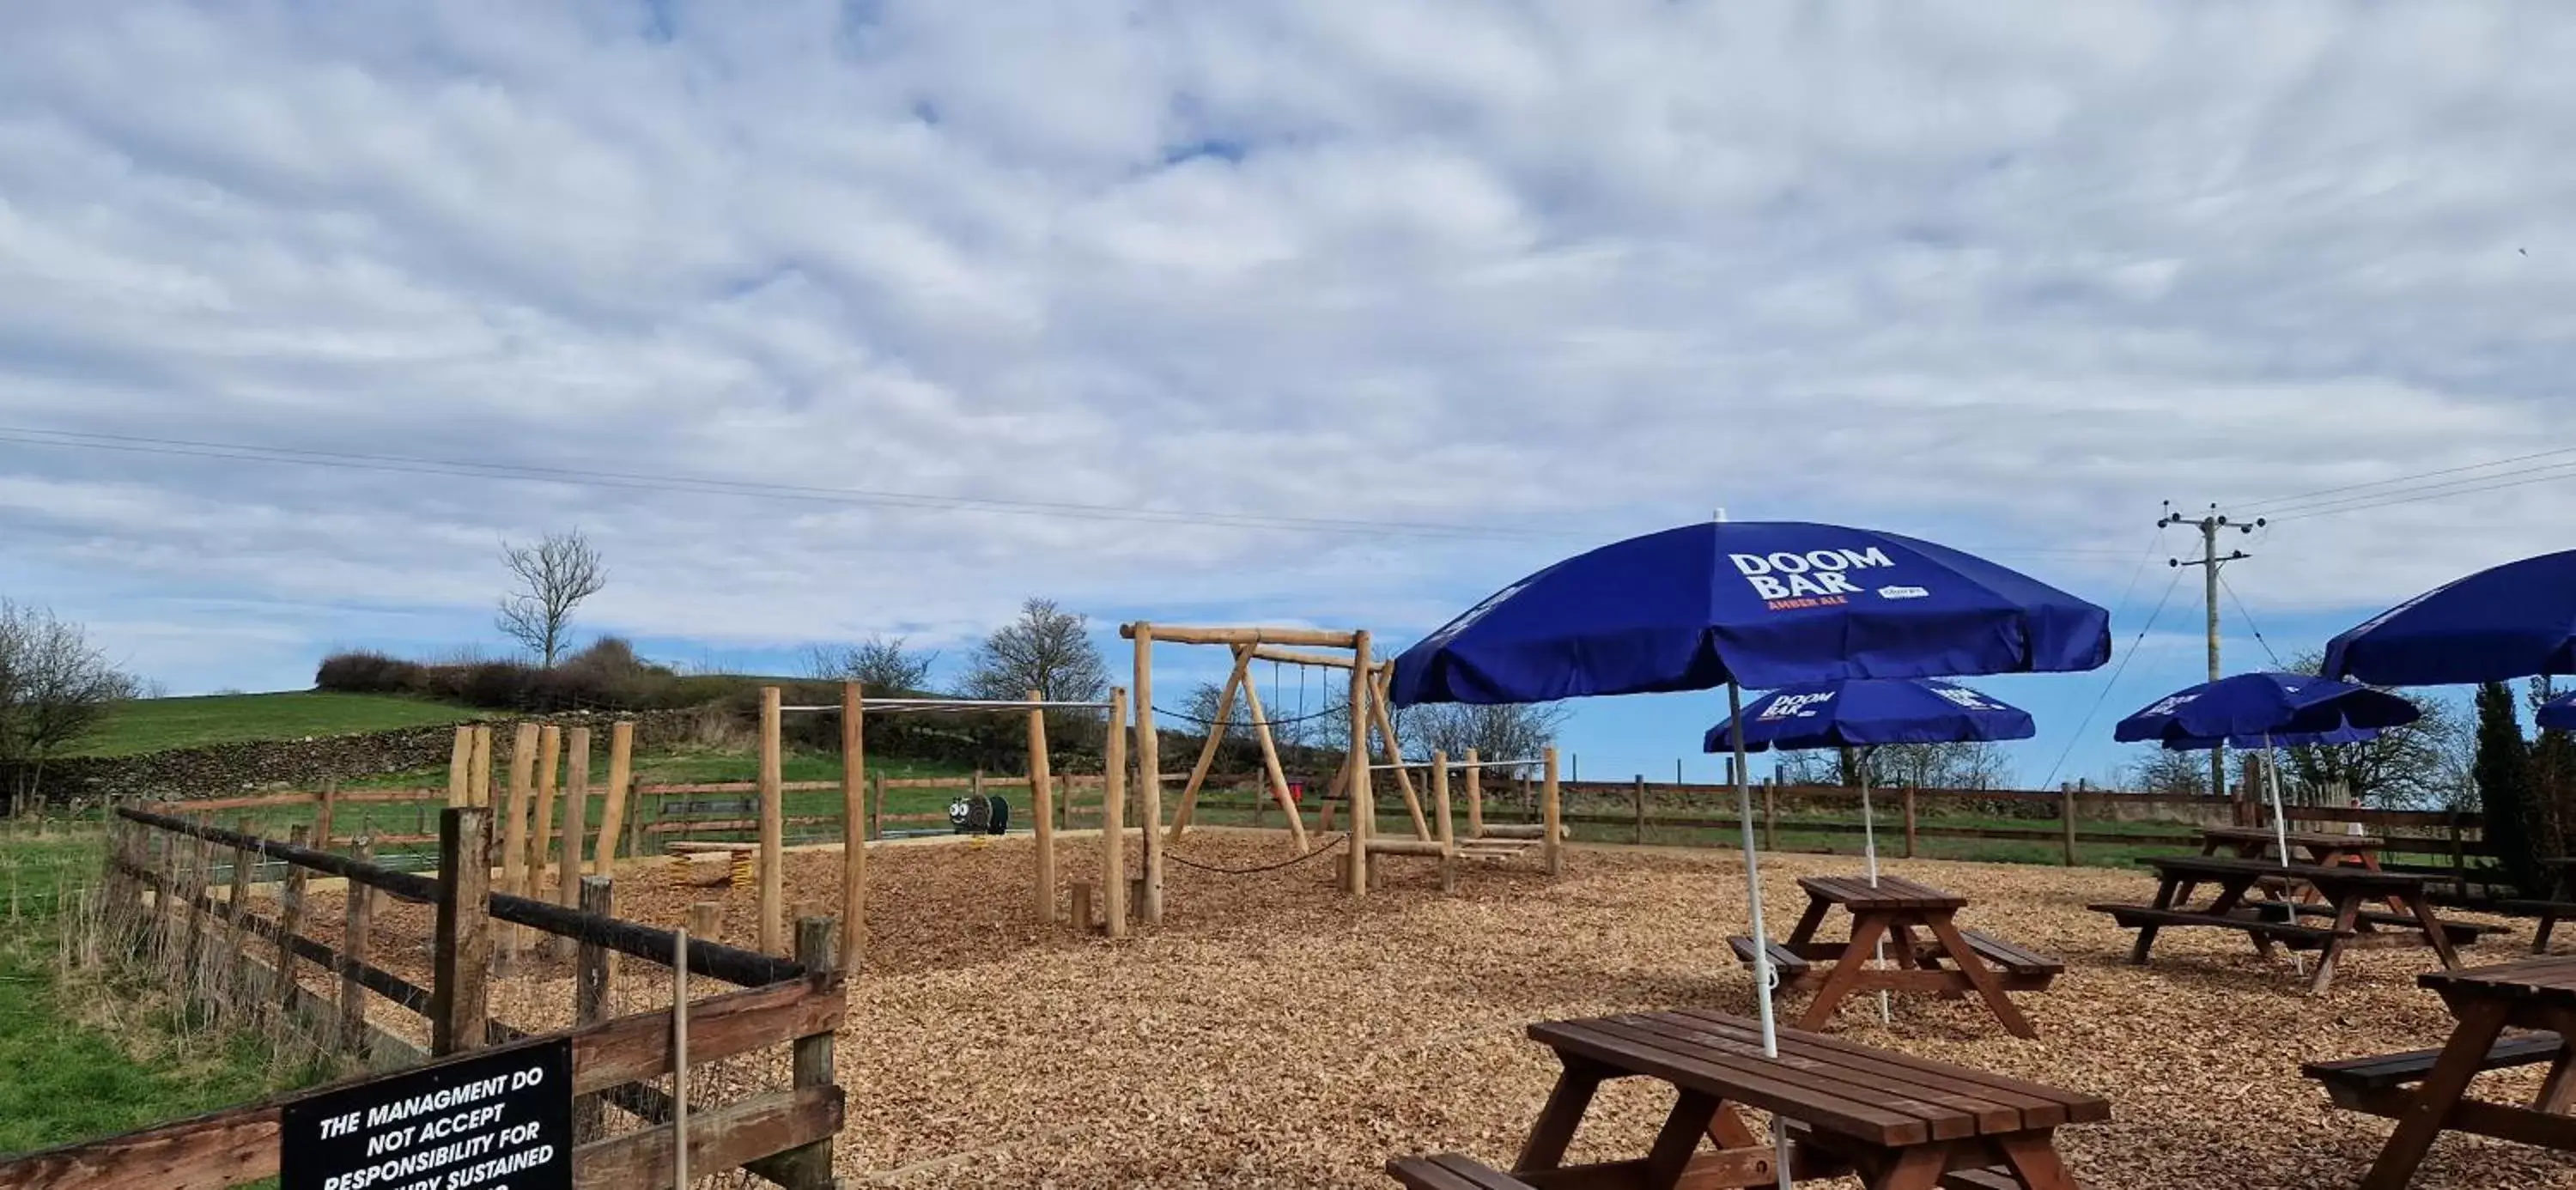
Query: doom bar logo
[[1816, 578]]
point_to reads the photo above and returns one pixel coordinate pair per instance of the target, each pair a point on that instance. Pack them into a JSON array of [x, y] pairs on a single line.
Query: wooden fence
[[159, 901]]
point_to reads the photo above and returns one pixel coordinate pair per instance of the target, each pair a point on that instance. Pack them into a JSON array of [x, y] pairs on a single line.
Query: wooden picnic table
[[2322, 848], [2562, 902], [2538, 994], [2345, 890], [1895, 909], [1899, 1122]]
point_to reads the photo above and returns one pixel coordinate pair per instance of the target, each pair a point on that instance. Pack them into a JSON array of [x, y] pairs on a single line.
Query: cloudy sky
[[832, 319]]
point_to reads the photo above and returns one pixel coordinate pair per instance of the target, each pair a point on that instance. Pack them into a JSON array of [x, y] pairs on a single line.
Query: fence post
[[323, 804], [773, 829], [236, 926], [1770, 814], [2066, 812], [590, 993], [2459, 854], [354, 924], [810, 1168], [1638, 832], [1551, 816], [290, 918], [463, 954], [1909, 822], [876, 805]]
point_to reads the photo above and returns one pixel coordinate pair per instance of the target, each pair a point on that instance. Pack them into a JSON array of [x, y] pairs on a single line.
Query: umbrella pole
[[1869, 848], [2281, 838], [1762, 974]]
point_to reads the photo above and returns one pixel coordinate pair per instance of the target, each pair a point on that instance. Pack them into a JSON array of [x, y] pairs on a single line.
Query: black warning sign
[[501, 1121]]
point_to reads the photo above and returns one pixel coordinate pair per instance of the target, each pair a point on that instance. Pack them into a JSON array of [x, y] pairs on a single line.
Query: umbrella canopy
[[2264, 704], [2512, 621], [1861, 712], [1760, 603], [2559, 714]]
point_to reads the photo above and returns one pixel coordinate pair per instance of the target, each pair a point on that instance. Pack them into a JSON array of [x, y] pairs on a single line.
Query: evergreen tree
[[2553, 771], [2513, 813]]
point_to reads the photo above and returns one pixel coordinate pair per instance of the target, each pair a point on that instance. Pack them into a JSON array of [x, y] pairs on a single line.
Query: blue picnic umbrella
[[2558, 714], [2511, 621], [1864, 713], [2267, 709], [1750, 603]]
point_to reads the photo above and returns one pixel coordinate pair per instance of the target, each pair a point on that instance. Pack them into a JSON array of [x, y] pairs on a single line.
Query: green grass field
[[70, 1070], [155, 724]]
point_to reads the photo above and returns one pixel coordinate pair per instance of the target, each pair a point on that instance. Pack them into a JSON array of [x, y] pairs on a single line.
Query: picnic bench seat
[[1789, 963], [2022, 964], [1451, 1171], [2130, 917], [2547, 911], [2015, 960], [2397, 1070]]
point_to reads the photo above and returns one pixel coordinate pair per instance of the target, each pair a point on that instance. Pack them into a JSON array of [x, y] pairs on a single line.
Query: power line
[[2366, 503], [2248, 617], [2113, 683], [2260, 506]]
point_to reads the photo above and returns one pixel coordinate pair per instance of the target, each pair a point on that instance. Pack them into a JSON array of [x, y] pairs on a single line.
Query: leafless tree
[[554, 576], [881, 664], [1517, 731], [2157, 770], [1235, 731], [1955, 765], [54, 687], [1047, 649]]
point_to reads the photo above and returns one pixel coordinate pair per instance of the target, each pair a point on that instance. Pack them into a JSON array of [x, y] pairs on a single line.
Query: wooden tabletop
[[2255, 834], [1891, 892], [2530, 979], [1877, 1096], [2219, 867]]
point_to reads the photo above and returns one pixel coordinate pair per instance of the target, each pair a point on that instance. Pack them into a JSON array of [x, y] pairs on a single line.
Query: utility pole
[[2209, 561]]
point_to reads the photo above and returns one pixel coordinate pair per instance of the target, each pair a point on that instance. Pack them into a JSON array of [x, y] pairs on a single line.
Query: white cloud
[[2004, 274]]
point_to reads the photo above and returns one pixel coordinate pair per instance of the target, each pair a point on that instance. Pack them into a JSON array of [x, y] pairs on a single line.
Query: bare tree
[[54, 688], [554, 576], [2157, 770], [1517, 731], [880, 663], [1235, 732], [1954, 765], [1047, 649]]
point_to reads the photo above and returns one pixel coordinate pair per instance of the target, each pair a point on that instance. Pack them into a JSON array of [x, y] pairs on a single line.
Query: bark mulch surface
[[1276, 1033]]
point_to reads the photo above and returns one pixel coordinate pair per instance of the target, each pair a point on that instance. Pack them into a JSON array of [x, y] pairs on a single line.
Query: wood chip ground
[[1274, 1033]]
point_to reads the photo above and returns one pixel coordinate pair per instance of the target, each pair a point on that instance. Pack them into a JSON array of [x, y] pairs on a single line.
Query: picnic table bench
[[2344, 890], [1897, 1121], [2537, 994], [1894, 909], [2322, 848], [2562, 902]]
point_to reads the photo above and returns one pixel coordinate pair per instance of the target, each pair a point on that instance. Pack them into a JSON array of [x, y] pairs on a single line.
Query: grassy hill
[[155, 724]]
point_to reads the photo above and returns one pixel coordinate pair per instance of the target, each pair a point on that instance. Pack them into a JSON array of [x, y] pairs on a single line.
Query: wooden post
[[1475, 797], [540, 840], [1363, 804], [1215, 740], [1042, 811], [459, 763], [1113, 817], [612, 813], [1770, 814], [876, 805], [1909, 822], [2459, 852], [773, 908], [809, 1066], [323, 804], [236, 925], [290, 921], [1638, 833], [576, 811], [706, 920], [463, 950], [1551, 818], [514, 835], [355, 921], [478, 771], [1082, 915], [1149, 772], [680, 1060], [854, 826], [1448, 839], [2066, 810], [590, 990]]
